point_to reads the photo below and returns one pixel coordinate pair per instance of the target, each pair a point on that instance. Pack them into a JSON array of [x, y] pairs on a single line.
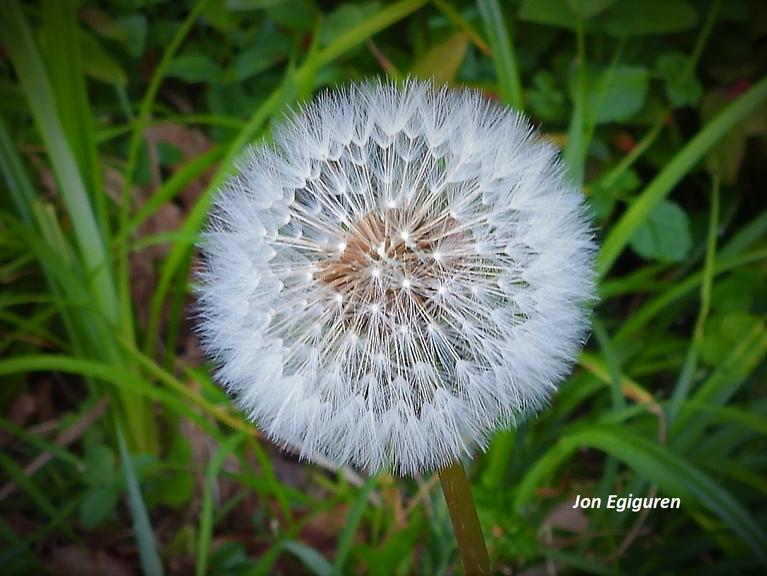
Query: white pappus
[[405, 270]]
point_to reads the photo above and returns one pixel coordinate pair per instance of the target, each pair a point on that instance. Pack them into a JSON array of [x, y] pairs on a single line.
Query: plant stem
[[463, 513]]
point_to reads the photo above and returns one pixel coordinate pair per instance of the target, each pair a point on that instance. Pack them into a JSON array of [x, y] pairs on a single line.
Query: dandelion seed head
[[405, 271]]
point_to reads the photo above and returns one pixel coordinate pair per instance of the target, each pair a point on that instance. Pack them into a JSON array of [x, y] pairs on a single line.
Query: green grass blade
[[15, 176], [62, 35], [212, 471], [36, 84], [684, 382], [173, 185], [312, 559], [147, 545], [353, 519], [722, 385], [505, 59], [180, 253], [668, 470], [682, 163], [121, 379], [745, 237], [36, 494], [381, 20], [577, 145], [656, 305]]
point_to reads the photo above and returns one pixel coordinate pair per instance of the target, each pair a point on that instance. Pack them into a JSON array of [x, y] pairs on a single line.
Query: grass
[[118, 124]]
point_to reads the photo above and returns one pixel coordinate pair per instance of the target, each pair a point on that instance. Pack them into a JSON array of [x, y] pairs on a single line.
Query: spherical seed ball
[[404, 271]]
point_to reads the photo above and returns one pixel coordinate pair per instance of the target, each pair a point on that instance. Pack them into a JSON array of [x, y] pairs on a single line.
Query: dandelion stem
[[463, 513]]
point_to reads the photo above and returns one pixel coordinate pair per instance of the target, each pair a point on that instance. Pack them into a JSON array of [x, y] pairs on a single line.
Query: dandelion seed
[[483, 217]]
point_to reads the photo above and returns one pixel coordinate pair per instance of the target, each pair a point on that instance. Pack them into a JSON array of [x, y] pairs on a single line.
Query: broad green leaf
[[561, 13], [615, 93], [649, 17], [296, 15], [682, 87], [97, 505], [261, 56], [548, 12], [442, 61], [737, 292], [99, 466], [665, 235], [722, 334], [602, 198], [194, 68], [546, 100], [135, 26], [220, 17], [168, 154], [682, 163], [589, 8]]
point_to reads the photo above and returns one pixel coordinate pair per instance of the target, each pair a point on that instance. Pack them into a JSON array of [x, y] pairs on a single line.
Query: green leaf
[[615, 93], [548, 12], [296, 15], [168, 154], [682, 88], [391, 555], [603, 196], [546, 100], [442, 61], [135, 27], [99, 466], [343, 18], [726, 158], [670, 471], [181, 251], [252, 4], [504, 57], [29, 66], [194, 68], [260, 57], [102, 24], [665, 235], [723, 333], [682, 163], [561, 13], [650, 17], [353, 518], [589, 8], [147, 546], [97, 505], [99, 64], [737, 292], [205, 534]]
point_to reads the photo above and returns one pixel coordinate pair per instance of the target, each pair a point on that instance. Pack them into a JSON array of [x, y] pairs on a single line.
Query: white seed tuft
[[405, 271]]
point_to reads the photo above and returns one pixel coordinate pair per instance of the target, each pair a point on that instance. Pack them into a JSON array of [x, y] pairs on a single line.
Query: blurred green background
[[121, 456]]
